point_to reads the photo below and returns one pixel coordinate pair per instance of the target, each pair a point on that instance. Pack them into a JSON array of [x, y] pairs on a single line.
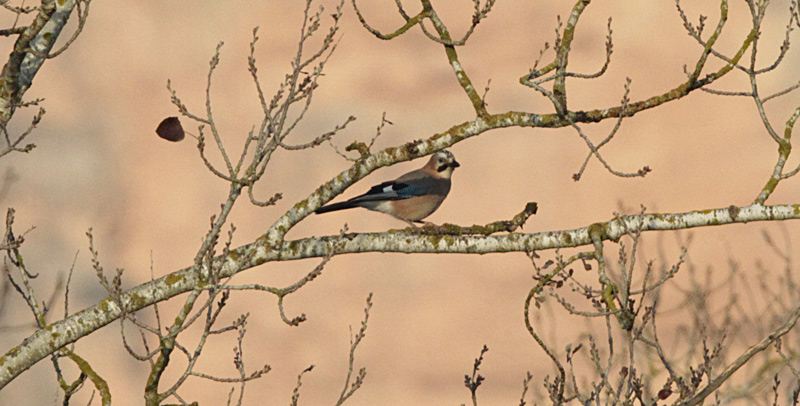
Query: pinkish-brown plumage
[[411, 197]]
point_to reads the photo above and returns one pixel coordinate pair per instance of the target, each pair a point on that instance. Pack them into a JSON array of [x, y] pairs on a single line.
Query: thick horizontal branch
[[45, 341], [400, 241]]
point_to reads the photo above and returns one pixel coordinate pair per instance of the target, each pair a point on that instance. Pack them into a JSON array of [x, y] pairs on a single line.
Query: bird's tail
[[336, 206]]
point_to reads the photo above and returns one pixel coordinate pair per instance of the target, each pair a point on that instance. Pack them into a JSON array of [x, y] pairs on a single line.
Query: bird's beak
[[454, 164]]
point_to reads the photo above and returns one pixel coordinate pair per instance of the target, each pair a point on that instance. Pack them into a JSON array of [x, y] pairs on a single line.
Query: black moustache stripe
[[442, 168]]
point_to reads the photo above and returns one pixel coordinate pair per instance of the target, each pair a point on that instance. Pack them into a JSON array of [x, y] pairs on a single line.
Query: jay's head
[[442, 164]]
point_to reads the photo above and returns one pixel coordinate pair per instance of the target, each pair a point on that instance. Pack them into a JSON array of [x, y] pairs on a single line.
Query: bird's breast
[[415, 208]]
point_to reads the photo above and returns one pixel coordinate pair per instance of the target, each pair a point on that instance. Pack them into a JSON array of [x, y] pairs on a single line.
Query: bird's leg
[[436, 228], [415, 228], [426, 226]]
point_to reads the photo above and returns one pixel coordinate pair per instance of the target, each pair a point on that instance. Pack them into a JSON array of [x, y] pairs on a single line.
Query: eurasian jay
[[411, 197]]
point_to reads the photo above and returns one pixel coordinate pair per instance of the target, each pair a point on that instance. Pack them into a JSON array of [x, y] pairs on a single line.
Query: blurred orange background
[[99, 164]]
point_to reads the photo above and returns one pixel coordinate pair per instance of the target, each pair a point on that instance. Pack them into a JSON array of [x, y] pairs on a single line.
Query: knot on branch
[[411, 147], [362, 149]]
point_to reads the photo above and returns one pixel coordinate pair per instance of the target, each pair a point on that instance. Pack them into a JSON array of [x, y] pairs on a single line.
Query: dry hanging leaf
[[170, 129]]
